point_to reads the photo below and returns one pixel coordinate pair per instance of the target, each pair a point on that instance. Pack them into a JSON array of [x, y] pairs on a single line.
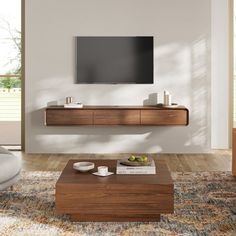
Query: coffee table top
[[71, 176]]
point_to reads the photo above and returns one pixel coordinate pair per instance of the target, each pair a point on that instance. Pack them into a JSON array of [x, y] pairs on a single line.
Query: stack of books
[[135, 170], [73, 105]]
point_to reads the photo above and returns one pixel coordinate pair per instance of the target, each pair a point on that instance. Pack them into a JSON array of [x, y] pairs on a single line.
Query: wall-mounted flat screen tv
[[114, 60]]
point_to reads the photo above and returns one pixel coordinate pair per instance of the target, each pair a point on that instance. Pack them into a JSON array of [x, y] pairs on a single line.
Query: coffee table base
[[115, 218], [117, 198]]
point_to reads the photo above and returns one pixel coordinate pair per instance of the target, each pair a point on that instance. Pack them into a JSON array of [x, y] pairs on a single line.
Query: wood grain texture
[[69, 117], [83, 193], [69, 175], [116, 117], [164, 117], [218, 160], [234, 152], [115, 218], [99, 107]]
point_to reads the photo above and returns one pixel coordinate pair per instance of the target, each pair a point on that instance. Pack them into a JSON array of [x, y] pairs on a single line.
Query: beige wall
[[182, 31], [10, 132]]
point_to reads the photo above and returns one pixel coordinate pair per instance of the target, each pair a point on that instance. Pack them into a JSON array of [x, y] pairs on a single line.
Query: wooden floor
[[219, 160]]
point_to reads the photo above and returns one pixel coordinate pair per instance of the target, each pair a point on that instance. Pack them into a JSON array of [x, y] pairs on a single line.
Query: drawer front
[[69, 117], [164, 117], [117, 117], [126, 199]]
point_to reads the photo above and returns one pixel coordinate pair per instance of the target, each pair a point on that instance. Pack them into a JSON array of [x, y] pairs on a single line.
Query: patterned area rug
[[203, 203]]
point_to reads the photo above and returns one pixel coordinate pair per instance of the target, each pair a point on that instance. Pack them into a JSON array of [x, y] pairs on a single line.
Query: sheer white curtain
[[234, 61], [10, 71]]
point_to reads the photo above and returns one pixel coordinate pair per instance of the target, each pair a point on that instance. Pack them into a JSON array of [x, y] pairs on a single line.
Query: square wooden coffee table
[[87, 197]]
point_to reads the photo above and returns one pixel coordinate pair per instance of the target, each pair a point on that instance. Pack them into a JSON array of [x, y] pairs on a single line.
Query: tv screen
[[114, 60]]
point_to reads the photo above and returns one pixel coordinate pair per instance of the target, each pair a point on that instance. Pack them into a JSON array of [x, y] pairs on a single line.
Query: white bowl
[[83, 166]]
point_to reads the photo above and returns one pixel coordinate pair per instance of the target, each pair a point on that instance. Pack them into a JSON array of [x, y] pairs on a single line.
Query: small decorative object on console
[[167, 98], [69, 100], [173, 105], [74, 105]]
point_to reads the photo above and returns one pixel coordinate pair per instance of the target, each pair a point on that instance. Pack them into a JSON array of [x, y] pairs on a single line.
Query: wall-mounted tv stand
[[116, 115]]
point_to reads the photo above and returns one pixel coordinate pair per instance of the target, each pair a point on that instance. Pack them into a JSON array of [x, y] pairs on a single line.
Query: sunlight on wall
[[185, 64], [180, 41], [200, 97]]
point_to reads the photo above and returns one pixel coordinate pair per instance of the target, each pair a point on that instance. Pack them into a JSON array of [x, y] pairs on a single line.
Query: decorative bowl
[[83, 166]]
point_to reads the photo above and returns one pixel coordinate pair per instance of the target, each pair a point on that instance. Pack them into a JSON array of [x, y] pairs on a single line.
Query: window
[[10, 72], [10, 60]]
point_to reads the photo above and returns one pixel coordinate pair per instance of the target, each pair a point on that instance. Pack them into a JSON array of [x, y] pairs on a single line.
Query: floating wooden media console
[[116, 115]]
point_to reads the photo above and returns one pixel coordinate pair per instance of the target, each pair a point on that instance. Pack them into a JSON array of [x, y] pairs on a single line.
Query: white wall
[[182, 65], [220, 74]]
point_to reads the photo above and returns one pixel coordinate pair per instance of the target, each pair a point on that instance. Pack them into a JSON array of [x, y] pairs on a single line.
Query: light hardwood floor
[[218, 160]]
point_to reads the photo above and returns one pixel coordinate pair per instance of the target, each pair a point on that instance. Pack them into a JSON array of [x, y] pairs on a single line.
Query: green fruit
[[132, 158], [145, 159], [139, 159]]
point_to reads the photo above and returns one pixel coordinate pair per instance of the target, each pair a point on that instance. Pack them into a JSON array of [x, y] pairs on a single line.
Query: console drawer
[[117, 117], [164, 117], [69, 117]]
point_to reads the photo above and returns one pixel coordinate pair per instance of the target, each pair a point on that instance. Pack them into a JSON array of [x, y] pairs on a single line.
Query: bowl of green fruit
[[135, 160]]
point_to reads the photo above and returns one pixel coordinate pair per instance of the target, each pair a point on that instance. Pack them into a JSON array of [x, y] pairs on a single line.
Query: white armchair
[[10, 167]]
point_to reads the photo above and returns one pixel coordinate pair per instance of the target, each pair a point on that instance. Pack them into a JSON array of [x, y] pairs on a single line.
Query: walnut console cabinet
[[116, 115]]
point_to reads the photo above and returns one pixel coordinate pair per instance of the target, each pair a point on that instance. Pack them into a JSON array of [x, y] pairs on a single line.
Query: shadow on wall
[[52, 103], [193, 91], [201, 96], [196, 137]]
